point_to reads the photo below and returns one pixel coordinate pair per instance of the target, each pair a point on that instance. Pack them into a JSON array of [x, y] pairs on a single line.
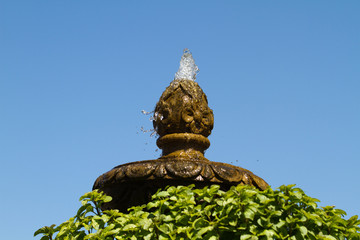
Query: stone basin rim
[[180, 169]]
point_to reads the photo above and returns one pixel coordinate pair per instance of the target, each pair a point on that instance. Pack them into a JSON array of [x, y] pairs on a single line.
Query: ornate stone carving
[[183, 108], [130, 179], [183, 120], [174, 169]]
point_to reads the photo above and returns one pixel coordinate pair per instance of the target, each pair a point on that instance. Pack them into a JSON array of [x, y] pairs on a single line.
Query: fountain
[[183, 121]]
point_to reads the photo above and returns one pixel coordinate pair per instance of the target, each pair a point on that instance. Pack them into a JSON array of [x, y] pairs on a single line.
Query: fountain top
[[182, 117], [183, 120], [188, 68]]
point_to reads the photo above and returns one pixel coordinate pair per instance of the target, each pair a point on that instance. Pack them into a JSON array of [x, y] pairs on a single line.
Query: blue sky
[[282, 78]]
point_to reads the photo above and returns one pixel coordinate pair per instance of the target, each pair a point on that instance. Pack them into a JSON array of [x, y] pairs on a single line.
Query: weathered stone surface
[[183, 120], [215, 172], [183, 108], [147, 176]]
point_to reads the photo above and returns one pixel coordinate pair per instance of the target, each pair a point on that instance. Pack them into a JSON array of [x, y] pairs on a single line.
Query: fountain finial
[[182, 117]]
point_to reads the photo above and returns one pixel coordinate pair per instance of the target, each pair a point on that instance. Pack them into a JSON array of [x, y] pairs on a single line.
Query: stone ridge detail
[[180, 169]]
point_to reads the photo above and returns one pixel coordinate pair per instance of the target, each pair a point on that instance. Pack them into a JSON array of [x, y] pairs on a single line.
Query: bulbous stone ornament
[[183, 108], [183, 121]]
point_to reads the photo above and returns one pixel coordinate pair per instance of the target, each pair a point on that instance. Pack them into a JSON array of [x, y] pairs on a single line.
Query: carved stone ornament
[[183, 108], [133, 183], [183, 121]]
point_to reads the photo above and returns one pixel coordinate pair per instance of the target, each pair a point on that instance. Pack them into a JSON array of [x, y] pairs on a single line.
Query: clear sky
[[282, 78]]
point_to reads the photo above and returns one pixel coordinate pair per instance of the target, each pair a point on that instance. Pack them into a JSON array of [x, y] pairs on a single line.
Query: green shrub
[[182, 212]]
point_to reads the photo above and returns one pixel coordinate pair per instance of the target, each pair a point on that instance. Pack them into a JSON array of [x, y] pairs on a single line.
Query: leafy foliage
[[182, 212]]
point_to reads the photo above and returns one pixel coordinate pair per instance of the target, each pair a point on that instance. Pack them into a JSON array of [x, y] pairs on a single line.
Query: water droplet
[[146, 113], [154, 133]]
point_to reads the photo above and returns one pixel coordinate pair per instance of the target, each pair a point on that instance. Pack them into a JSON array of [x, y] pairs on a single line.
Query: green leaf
[[213, 238], [303, 230], [148, 236], [95, 225], [107, 199], [268, 233], [248, 237], [165, 228], [130, 226], [200, 223], [328, 237], [48, 230], [249, 214], [162, 194], [204, 230]]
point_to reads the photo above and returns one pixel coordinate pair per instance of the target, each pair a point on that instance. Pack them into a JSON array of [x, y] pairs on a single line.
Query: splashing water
[[146, 113], [188, 68], [151, 118]]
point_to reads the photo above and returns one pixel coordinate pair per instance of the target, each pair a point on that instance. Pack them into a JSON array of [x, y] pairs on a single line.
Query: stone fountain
[[183, 121]]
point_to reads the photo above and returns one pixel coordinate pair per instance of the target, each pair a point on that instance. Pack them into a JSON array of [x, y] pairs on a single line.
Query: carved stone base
[[133, 183]]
